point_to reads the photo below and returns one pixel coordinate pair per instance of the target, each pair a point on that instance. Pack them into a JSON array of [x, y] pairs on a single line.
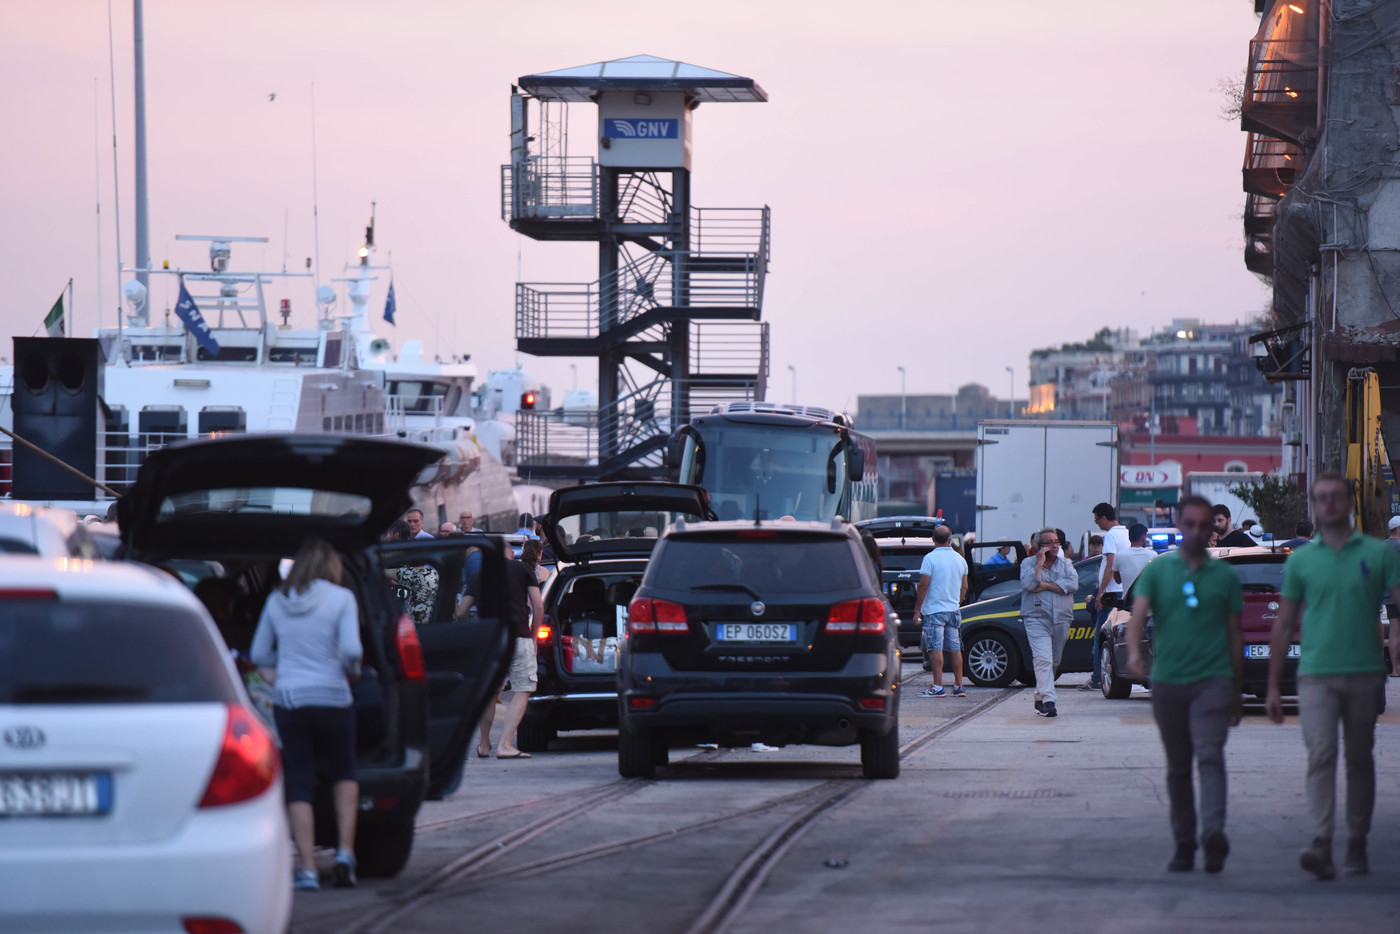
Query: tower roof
[[643, 72]]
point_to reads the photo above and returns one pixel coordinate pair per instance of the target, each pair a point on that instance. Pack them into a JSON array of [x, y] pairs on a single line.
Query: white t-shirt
[[945, 570], [1130, 563], [1115, 542]]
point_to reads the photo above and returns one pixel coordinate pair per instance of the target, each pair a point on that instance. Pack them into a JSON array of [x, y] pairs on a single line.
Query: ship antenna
[[315, 198]]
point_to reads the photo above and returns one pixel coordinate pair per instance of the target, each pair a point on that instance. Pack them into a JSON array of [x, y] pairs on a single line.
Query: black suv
[[602, 534], [246, 502], [744, 632]]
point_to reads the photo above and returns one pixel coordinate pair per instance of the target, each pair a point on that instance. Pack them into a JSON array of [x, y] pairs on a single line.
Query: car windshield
[[750, 469], [812, 566], [348, 508], [62, 652]]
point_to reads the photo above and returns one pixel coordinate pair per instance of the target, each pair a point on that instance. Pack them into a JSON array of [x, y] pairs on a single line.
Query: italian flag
[[54, 321]]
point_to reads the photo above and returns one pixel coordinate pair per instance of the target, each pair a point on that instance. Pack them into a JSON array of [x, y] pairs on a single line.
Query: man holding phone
[[1048, 582]]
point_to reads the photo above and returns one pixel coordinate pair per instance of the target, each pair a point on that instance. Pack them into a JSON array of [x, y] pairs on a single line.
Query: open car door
[[466, 659]]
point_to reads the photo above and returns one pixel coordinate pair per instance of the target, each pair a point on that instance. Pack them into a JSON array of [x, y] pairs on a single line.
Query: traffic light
[[527, 401]]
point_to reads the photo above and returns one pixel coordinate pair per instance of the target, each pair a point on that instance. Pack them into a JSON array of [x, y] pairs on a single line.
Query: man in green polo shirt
[[1338, 583], [1197, 665]]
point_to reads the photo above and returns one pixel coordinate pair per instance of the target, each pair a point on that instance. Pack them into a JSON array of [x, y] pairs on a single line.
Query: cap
[[1394, 523]]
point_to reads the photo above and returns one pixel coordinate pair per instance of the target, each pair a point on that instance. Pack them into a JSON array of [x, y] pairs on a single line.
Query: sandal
[[514, 755]]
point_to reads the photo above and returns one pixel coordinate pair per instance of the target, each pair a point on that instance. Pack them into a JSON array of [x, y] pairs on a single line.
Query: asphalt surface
[[1001, 819]]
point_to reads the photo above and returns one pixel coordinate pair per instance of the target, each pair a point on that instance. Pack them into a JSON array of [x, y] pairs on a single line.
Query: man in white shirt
[[942, 587], [1115, 543], [1131, 562], [414, 518]]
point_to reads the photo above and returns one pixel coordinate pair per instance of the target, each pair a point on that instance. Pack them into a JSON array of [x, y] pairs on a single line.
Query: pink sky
[[952, 185]]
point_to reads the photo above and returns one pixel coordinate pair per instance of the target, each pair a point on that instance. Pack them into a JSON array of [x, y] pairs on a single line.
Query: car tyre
[[1114, 686], [879, 753], [534, 734], [636, 754], [382, 850], [660, 749], [991, 660]]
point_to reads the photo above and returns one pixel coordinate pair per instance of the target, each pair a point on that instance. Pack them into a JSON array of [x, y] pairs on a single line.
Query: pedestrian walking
[[309, 632], [1110, 585], [1337, 583], [1197, 668], [1392, 609], [1048, 582], [941, 591], [522, 604]]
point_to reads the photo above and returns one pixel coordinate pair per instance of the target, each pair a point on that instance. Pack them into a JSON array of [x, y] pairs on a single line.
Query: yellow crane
[[1368, 470]]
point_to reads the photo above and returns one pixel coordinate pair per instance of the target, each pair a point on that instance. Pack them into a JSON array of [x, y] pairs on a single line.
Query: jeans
[[1099, 619], [1193, 720], [941, 631], [1355, 701], [1047, 642]]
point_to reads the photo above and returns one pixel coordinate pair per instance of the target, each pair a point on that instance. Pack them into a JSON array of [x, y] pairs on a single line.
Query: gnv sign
[[641, 129], [1148, 476]]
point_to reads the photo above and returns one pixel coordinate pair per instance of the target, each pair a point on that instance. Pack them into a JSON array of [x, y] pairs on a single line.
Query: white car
[[138, 790], [34, 530]]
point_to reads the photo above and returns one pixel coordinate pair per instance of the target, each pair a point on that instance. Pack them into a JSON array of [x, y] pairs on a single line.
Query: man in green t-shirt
[[1197, 665], [1338, 582]]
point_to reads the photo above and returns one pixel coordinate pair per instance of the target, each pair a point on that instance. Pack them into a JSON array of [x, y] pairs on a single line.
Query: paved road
[[999, 819]]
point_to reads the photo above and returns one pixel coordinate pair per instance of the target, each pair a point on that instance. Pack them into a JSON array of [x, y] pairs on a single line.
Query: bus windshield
[[774, 471]]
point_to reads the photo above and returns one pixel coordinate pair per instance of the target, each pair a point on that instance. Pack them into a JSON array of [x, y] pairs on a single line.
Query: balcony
[[1260, 212], [1271, 166], [1281, 82]]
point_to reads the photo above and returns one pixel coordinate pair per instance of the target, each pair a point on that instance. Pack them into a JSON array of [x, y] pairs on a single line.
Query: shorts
[[942, 631], [312, 736], [524, 675]]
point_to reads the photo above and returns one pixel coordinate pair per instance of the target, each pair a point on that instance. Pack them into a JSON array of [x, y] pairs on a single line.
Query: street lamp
[[902, 397], [793, 370], [1011, 401]]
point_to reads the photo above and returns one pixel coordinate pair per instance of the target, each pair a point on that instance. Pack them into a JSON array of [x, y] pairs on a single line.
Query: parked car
[[247, 502], [26, 529], [1261, 578], [130, 760], [602, 535], [773, 633], [995, 650]]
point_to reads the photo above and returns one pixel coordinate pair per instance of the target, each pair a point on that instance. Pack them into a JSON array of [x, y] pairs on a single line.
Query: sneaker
[[1184, 860], [1039, 707], [1091, 686], [1217, 847], [306, 880], [762, 747], [1356, 863], [933, 692], [343, 871], [1047, 709], [1317, 859], [959, 692]]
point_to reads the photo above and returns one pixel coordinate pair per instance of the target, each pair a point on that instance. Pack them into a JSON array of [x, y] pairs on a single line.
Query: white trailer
[[1033, 474]]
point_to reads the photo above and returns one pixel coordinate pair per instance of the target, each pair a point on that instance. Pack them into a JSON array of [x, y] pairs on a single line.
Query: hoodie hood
[[301, 602]]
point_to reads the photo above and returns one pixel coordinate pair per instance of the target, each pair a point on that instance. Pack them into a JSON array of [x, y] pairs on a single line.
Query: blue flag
[[188, 312], [390, 306]]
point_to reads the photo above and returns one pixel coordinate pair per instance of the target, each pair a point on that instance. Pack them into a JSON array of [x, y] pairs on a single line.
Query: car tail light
[[27, 593], [873, 703], [641, 703], [210, 926], [661, 616], [247, 761], [866, 617], [410, 651], [545, 634], [756, 533]]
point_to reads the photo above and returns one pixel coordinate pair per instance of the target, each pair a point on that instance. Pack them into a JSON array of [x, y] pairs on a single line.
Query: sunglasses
[[1188, 589]]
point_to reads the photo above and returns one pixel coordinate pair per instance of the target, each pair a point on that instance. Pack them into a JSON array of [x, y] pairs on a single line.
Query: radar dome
[[135, 294], [325, 295]]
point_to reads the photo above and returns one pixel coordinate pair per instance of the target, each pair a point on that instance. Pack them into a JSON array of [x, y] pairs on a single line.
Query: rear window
[[54, 652], [902, 560], [811, 566], [348, 508], [12, 546], [1260, 576]]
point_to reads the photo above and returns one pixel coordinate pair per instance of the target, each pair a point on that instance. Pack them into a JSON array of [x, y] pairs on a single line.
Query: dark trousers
[[1194, 719]]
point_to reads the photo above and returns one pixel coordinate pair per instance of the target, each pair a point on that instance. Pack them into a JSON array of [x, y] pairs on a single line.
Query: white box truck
[[1033, 474]]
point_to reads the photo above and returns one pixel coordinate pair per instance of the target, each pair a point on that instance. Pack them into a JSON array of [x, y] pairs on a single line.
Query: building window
[[1236, 467]]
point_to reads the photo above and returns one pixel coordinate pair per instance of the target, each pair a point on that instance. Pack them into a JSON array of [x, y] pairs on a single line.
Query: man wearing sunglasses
[[1338, 581], [1197, 666], [1048, 582]]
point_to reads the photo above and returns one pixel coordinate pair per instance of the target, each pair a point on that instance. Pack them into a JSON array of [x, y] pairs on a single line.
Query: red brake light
[[641, 703], [857, 616], [28, 593], [410, 651], [247, 763], [756, 533], [873, 703], [211, 925], [661, 616], [545, 634]]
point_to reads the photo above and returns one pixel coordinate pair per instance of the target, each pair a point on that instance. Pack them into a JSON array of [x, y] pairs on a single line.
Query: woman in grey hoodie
[[309, 632]]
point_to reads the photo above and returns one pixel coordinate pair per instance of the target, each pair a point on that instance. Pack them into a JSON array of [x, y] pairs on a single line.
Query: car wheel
[[879, 753], [534, 734], [1113, 686], [381, 850], [660, 749], [636, 754], [991, 660]]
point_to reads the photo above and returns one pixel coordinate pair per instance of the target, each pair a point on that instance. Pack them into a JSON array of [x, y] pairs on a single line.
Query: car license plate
[[1262, 651], [757, 632], [54, 794]]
